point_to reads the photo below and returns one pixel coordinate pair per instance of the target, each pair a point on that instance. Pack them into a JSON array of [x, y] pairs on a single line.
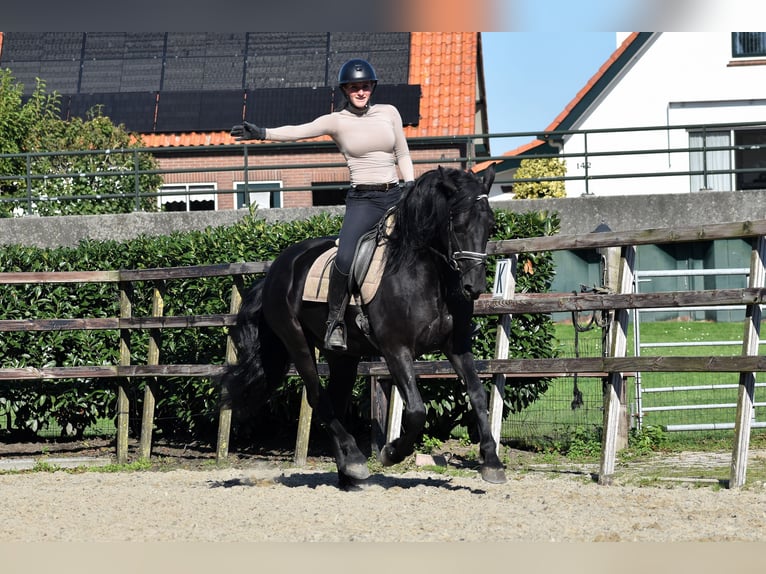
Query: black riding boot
[[337, 298]]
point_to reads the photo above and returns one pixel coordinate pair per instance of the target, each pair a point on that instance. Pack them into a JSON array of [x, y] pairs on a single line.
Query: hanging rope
[[598, 318]]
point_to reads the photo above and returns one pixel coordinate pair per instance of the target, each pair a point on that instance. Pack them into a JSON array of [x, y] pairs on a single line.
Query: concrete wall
[[578, 215], [624, 213], [50, 232]]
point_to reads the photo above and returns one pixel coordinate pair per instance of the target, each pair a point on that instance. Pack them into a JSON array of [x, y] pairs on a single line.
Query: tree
[[43, 177], [537, 168]]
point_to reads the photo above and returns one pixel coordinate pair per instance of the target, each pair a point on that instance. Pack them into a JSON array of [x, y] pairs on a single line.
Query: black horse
[[435, 268]]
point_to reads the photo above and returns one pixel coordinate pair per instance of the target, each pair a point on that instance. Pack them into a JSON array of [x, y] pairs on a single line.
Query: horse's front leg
[[414, 417], [492, 469]]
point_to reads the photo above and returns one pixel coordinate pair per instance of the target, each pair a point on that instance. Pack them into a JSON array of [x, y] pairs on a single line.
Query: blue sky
[[531, 76]]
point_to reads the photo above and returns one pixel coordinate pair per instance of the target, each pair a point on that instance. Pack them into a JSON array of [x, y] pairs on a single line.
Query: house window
[[710, 160], [748, 44], [329, 193], [750, 155], [187, 197], [747, 155], [264, 194]]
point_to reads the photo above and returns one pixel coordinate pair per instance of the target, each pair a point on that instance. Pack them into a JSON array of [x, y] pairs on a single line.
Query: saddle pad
[[318, 278]]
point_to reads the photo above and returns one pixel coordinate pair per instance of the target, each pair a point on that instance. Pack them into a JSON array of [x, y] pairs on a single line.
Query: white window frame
[[711, 160], [188, 193], [260, 193], [721, 159]]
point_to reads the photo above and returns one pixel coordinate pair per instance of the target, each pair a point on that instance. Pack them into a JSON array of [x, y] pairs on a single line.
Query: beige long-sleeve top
[[373, 143]]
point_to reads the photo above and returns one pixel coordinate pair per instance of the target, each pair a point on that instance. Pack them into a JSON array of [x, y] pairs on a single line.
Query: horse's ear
[[489, 176], [446, 178]]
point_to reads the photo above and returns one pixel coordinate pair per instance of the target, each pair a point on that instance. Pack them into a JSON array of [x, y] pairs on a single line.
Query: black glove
[[248, 131]]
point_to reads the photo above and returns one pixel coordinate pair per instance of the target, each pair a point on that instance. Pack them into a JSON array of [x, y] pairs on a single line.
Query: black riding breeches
[[364, 209]]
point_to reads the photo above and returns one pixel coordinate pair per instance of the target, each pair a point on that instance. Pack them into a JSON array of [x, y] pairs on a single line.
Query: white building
[[671, 95]]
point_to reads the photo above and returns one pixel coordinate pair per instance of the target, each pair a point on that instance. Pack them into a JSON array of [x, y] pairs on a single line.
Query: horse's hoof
[[493, 475], [357, 471], [386, 457], [348, 484]]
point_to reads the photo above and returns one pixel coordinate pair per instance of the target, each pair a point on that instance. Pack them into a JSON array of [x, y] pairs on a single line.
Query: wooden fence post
[[224, 409], [613, 267], [123, 405], [505, 288], [395, 410], [615, 389], [750, 342], [153, 358], [380, 396], [304, 430], [304, 427]]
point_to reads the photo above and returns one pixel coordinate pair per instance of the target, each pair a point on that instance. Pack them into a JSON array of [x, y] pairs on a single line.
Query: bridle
[[454, 257]]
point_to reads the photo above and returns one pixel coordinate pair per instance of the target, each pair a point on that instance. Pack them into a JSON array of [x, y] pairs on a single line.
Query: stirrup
[[335, 338]]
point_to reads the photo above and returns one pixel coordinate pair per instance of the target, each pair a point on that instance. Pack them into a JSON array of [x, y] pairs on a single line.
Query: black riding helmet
[[357, 70]]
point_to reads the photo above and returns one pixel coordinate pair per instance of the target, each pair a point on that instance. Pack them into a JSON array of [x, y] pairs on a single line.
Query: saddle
[[366, 268]]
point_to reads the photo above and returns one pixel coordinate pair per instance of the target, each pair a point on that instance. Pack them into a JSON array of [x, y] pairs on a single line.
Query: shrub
[[539, 169], [187, 407], [44, 182]]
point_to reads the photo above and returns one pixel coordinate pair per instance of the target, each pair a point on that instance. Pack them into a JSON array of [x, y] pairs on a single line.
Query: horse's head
[[447, 215], [470, 224]]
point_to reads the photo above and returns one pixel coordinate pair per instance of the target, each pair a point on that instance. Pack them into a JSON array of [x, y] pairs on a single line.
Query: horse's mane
[[423, 213]]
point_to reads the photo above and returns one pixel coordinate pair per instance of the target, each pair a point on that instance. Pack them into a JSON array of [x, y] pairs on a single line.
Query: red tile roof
[[444, 64]]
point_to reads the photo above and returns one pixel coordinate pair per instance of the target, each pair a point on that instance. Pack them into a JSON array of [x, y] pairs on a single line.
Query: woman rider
[[371, 138]]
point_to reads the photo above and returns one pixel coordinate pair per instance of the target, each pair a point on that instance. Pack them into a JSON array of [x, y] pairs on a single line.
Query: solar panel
[[101, 76], [199, 111], [141, 75], [60, 75], [183, 74], [222, 73], [104, 46], [135, 110], [271, 107], [220, 110], [288, 76], [406, 98]]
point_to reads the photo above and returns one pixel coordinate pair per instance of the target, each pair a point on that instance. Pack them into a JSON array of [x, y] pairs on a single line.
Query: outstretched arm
[[323, 125]]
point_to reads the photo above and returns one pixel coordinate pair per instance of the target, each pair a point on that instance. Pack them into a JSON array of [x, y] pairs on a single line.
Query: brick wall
[[225, 169]]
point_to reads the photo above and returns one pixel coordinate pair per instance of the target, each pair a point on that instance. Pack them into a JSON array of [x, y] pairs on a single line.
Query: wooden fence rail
[[612, 368]]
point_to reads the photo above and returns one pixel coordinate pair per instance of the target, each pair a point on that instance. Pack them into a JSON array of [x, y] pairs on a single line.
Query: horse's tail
[[261, 356]]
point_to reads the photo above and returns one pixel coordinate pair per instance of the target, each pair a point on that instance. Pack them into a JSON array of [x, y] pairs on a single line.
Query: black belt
[[375, 186]]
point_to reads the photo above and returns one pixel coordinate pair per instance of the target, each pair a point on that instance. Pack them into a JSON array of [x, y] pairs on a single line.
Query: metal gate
[[695, 406]]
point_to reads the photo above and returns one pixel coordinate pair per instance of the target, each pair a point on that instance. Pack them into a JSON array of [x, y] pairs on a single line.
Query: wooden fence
[[619, 252]]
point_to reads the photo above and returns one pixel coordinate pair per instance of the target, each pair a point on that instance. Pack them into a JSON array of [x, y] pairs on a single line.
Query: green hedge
[[187, 407]]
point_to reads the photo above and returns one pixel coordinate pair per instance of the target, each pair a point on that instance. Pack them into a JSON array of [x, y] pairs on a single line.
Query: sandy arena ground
[[264, 500]]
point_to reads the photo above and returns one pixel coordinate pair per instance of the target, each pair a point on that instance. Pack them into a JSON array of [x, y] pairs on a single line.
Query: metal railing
[[583, 148]]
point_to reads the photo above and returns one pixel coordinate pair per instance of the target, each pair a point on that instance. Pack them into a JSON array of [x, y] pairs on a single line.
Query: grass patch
[[552, 423]]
